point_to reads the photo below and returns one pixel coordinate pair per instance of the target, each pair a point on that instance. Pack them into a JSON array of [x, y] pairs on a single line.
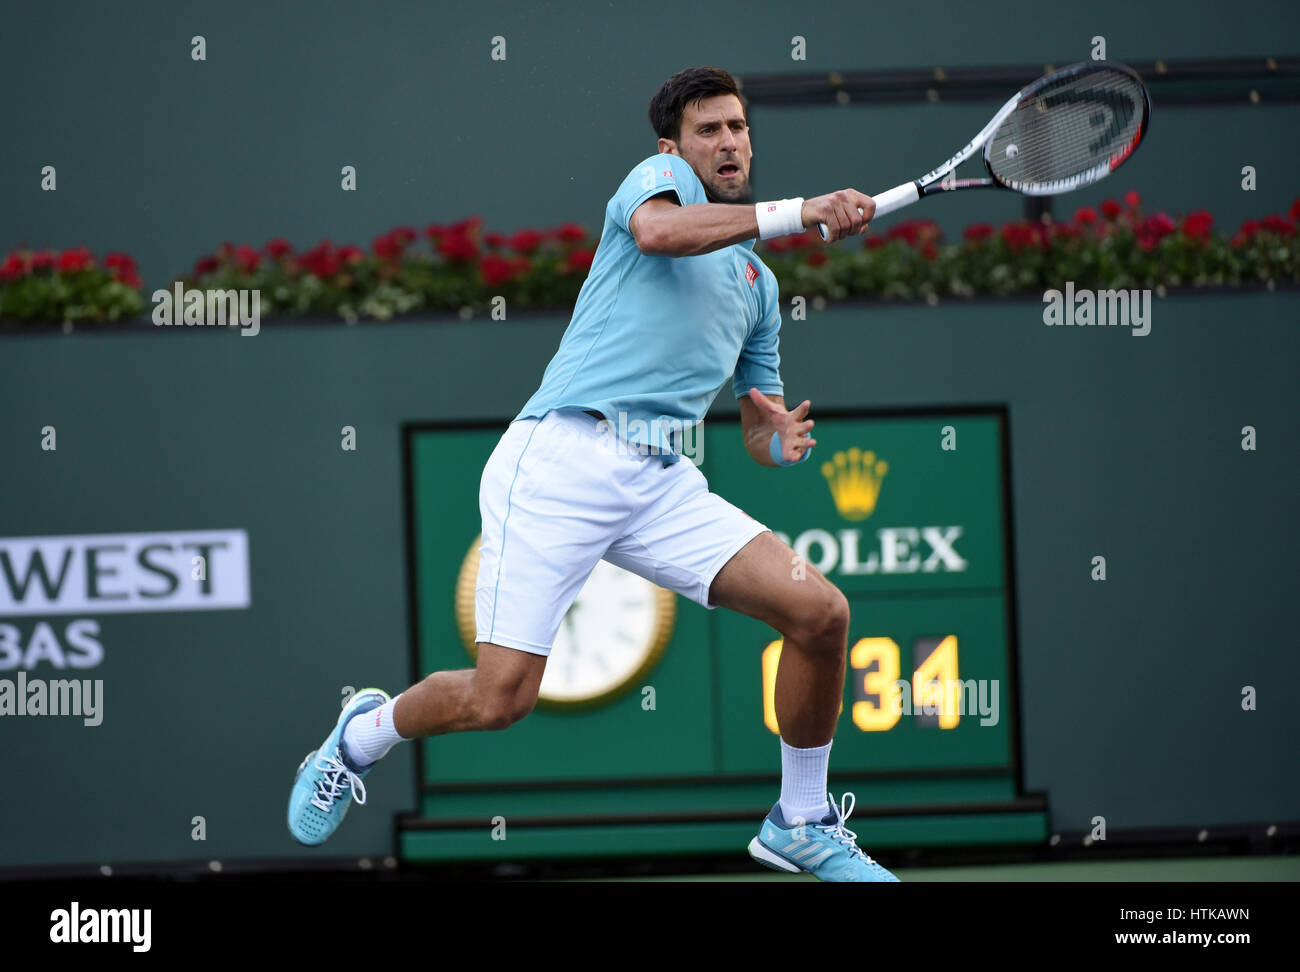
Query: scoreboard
[[905, 515], [907, 512]]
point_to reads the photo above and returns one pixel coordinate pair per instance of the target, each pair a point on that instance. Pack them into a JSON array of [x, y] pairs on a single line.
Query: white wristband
[[779, 218]]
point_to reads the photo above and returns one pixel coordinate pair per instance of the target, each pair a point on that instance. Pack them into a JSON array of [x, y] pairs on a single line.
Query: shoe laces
[[335, 779], [841, 834]]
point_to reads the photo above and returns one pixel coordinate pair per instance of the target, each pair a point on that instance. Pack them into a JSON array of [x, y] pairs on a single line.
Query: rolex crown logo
[[854, 479]]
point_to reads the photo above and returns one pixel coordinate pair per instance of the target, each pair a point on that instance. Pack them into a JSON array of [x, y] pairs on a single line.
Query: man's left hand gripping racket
[[1065, 131]]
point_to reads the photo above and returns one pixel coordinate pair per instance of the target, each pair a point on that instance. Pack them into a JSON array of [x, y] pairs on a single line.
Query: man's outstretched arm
[[661, 227]]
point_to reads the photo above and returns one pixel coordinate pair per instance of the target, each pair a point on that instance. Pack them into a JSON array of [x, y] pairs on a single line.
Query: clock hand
[[570, 625]]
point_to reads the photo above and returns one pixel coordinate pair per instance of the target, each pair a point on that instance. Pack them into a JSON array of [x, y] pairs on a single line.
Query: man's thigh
[[509, 673], [685, 535], [767, 580], [550, 507]]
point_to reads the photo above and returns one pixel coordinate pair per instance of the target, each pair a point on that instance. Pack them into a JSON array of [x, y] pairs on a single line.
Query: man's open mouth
[[729, 170]]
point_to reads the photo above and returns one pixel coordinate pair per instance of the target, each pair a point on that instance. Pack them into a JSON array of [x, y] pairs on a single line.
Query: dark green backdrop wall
[[166, 158], [1121, 446]]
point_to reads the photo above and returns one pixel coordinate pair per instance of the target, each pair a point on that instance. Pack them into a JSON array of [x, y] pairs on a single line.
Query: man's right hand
[[840, 212]]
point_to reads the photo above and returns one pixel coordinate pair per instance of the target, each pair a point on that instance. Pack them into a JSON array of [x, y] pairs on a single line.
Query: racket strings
[[1068, 132]]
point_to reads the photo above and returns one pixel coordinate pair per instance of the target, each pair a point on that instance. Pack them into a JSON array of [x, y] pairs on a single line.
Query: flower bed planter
[[463, 269]]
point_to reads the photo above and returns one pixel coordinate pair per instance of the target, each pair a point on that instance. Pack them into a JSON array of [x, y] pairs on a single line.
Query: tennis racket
[[1067, 130]]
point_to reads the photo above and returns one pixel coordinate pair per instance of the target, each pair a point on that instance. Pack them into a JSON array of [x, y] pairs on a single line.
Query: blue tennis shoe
[[825, 848], [325, 784]]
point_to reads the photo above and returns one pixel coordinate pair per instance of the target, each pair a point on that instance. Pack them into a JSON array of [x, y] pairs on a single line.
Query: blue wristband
[[774, 450]]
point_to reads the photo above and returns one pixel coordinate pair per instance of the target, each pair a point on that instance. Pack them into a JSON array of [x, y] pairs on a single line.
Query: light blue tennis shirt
[[653, 338]]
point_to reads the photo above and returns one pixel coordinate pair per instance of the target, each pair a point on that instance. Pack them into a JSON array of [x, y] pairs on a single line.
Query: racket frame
[[933, 181]]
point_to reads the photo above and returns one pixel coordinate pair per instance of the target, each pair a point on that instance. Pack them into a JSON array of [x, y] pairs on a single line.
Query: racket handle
[[886, 203]]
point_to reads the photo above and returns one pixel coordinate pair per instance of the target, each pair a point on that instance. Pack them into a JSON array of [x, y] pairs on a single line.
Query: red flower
[[324, 265], [1295, 211], [247, 258], [277, 248], [70, 261], [914, 231], [1016, 235], [1085, 216], [1161, 224], [351, 254], [579, 261], [225, 251], [387, 247], [978, 232], [465, 226], [1020, 235], [1278, 225], [526, 241], [874, 242], [15, 266], [124, 270], [800, 241], [392, 244], [128, 276], [777, 245], [43, 260], [1110, 208], [1132, 200], [456, 246], [206, 265], [322, 260], [435, 232], [496, 269], [1065, 231], [570, 233], [816, 258], [905, 231], [1196, 225], [1153, 229], [494, 240]]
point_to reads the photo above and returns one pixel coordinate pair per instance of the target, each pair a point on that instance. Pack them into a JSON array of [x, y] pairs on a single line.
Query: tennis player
[[592, 468]]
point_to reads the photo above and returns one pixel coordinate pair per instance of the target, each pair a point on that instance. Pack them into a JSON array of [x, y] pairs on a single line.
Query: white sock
[[370, 735], [803, 782]]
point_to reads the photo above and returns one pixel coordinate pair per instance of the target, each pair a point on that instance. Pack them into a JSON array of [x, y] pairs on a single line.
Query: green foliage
[[461, 268], [1118, 248], [69, 287]]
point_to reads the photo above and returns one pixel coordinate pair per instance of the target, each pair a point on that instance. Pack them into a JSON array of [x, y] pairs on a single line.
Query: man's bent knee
[[506, 682], [502, 711], [823, 621]]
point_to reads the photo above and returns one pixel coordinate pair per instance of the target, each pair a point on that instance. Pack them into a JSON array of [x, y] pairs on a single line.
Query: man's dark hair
[[686, 88]]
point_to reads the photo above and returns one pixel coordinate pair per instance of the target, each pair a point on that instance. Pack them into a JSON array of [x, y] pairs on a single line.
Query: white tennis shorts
[[559, 494]]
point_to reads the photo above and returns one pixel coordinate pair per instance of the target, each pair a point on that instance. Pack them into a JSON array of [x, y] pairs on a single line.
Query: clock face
[[605, 637], [609, 639]]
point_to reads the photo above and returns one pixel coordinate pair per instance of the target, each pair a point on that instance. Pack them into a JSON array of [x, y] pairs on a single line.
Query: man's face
[[715, 141]]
